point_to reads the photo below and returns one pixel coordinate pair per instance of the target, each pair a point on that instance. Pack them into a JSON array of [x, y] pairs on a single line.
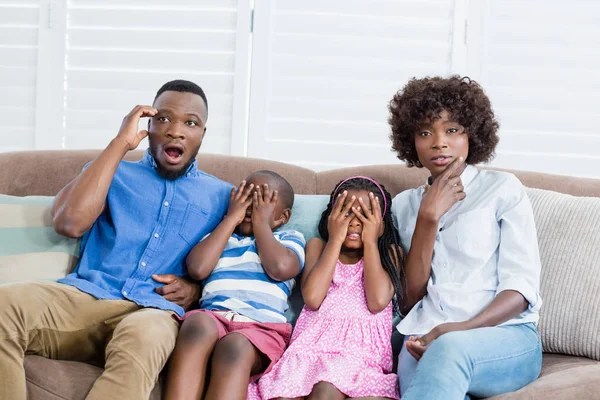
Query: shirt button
[[143, 264], [156, 235], [166, 204], [124, 293], [189, 174]]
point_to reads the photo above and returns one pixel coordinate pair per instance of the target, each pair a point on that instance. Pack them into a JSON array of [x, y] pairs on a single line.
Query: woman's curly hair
[[424, 99]]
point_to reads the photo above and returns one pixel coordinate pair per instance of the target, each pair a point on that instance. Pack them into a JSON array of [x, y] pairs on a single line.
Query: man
[[138, 221]]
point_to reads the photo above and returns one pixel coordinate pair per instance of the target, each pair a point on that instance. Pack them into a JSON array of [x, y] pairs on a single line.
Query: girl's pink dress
[[341, 343]]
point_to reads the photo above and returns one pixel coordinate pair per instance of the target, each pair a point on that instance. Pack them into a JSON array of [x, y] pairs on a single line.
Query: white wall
[[309, 84]]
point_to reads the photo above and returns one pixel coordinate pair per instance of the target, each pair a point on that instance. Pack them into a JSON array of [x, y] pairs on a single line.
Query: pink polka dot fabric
[[341, 343]]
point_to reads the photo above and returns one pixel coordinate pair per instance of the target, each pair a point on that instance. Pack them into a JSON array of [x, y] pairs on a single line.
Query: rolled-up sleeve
[[294, 241], [519, 263]]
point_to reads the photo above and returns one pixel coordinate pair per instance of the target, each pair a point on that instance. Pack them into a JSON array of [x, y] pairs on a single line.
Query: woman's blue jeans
[[482, 362]]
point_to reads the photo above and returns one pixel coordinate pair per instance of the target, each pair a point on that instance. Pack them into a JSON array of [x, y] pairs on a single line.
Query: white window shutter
[[538, 62], [323, 73], [19, 29], [119, 53]]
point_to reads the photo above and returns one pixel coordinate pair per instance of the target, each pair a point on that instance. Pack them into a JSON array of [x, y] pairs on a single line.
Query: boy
[[248, 269]]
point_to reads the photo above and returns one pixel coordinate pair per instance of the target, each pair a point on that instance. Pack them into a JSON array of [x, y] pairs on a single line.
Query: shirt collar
[[148, 160], [466, 177]]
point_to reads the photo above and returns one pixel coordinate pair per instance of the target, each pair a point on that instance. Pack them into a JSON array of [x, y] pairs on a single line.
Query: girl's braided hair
[[388, 241]]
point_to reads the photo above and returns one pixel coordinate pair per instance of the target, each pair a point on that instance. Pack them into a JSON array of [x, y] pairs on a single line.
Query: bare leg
[[234, 361], [187, 368], [325, 391]]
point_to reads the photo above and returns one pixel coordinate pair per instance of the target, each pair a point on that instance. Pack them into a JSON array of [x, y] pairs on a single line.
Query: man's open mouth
[[173, 154]]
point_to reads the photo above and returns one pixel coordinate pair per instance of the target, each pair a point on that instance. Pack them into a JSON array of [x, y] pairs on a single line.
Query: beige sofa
[[45, 173]]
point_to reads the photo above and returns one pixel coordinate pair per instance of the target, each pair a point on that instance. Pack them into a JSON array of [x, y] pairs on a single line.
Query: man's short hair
[[180, 85]]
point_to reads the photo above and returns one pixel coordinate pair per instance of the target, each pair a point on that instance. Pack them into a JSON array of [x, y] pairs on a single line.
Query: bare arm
[[78, 205], [278, 261], [379, 290], [507, 305], [418, 261], [445, 191], [322, 257], [378, 285], [203, 258]]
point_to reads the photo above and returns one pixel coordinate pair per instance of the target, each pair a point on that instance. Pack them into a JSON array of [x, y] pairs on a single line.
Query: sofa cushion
[[562, 378], [72, 380], [569, 244], [30, 247], [306, 214]]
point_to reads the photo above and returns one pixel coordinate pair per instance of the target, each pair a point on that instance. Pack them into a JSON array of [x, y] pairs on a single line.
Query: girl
[[340, 346], [473, 267]]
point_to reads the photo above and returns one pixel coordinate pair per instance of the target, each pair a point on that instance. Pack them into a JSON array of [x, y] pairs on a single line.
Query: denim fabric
[[482, 362], [148, 226]]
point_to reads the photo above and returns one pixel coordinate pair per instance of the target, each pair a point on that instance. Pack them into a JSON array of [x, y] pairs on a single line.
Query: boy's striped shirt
[[239, 283]]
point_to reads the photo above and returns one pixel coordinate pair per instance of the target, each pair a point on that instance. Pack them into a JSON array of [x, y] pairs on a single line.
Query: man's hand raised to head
[[128, 133], [445, 191], [77, 206]]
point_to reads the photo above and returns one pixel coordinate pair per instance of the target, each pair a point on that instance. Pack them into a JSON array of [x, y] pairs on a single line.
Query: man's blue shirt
[[148, 226]]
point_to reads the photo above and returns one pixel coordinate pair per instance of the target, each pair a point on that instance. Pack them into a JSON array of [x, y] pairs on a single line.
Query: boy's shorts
[[270, 338]]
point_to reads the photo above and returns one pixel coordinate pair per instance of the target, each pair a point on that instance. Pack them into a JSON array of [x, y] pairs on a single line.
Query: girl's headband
[[370, 180]]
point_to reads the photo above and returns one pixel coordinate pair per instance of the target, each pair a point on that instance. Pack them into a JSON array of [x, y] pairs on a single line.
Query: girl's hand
[[445, 191], [372, 221], [239, 201], [264, 202], [340, 217]]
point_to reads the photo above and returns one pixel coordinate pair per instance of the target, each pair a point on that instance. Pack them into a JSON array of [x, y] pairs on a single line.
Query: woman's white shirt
[[485, 244]]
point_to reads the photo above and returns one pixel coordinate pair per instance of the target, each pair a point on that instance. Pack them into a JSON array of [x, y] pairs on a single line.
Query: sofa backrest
[[567, 228], [46, 172]]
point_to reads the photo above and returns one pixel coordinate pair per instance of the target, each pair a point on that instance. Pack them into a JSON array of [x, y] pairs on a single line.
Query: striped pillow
[[567, 228], [29, 247]]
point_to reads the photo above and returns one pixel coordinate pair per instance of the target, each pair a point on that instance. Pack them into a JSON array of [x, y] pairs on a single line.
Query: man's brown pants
[[60, 322]]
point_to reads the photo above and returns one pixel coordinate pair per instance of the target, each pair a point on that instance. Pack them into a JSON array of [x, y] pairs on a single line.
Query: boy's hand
[[128, 133], [340, 217], [264, 202], [372, 222], [239, 201]]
